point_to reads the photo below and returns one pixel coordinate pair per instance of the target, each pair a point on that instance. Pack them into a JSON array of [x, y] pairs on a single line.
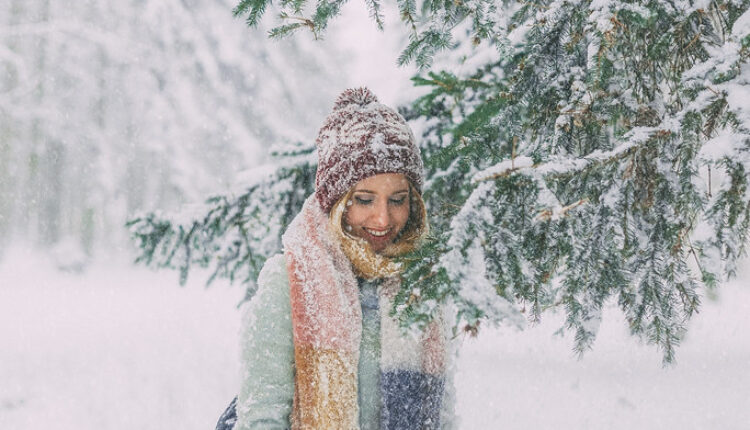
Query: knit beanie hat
[[359, 139]]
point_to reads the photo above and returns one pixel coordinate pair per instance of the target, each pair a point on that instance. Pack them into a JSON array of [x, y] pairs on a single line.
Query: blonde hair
[[366, 262]]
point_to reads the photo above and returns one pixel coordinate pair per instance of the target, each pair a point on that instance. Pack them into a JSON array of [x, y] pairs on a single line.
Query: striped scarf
[[327, 330]]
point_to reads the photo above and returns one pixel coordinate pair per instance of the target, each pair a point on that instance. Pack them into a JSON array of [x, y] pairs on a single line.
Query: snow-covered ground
[[119, 347]]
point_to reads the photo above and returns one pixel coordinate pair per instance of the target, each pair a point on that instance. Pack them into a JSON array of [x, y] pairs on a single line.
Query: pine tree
[[235, 233], [609, 154], [577, 152]]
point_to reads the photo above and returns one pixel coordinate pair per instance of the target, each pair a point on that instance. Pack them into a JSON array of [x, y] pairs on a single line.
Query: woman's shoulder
[[273, 285], [273, 268]]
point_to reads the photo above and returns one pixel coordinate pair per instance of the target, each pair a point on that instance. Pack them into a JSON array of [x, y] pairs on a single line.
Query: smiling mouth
[[377, 233]]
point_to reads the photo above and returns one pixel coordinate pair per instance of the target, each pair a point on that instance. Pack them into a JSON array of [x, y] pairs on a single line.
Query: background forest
[[111, 109]]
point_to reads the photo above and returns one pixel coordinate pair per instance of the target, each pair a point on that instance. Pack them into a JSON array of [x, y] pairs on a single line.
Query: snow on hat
[[359, 139]]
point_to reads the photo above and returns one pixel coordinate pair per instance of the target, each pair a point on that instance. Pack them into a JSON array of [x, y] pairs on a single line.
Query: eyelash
[[365, 202]]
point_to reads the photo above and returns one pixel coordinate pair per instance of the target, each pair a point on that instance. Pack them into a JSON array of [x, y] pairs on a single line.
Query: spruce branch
[[375, 12], [547, 214]]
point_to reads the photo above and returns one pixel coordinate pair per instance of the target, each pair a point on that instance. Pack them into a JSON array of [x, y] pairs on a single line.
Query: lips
[[377, 233], [378, 238]]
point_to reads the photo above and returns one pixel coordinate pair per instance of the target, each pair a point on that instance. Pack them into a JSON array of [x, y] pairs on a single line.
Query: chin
[[378, 249]]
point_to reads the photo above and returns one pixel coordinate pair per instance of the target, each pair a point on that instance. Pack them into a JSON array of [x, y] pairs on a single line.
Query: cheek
[[353, 216], [401, 216]]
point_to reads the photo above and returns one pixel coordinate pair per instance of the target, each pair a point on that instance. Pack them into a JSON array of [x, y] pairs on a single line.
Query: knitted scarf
[[327, 329]]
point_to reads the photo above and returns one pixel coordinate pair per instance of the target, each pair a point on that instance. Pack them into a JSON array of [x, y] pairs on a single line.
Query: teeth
[[377, 233]]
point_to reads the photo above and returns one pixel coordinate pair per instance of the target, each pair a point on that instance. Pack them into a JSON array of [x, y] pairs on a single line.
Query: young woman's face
[[378, 209]]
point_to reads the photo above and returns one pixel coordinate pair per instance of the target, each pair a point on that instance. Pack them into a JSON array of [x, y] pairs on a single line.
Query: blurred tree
[[108, 109]]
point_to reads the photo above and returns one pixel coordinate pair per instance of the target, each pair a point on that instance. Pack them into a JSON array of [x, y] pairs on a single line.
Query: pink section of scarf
[[324, 293]]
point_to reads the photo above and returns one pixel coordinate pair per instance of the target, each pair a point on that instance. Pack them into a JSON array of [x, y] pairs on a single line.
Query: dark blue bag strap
[[229, 417]]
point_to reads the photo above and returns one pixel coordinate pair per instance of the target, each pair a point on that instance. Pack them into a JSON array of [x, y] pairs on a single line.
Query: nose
[[381, 217]]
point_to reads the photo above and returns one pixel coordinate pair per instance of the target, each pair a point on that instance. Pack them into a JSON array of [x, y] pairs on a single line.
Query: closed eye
[[362, 201], [398, 201]]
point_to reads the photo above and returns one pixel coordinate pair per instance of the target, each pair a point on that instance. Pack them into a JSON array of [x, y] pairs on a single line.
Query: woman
[[319, 348]]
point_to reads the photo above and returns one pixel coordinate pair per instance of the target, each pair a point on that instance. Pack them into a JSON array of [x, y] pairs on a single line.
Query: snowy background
[[125, 348], [109, 109]]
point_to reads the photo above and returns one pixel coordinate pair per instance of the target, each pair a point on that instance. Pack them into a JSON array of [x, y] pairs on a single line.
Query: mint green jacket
[[267, 357]]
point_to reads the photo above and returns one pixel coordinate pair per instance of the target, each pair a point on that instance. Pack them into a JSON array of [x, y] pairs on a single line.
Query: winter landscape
[[605, 142]]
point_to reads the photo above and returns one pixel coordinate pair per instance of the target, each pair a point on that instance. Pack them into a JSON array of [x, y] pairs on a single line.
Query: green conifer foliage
[[599, 152], [432, 23], [603, 156], [232, 234]]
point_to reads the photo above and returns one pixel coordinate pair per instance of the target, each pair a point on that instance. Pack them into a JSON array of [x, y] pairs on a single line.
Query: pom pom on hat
[[359, 139], [355, 97]]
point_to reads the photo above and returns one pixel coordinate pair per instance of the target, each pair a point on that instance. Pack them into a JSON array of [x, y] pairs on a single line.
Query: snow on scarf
[[327, 329]]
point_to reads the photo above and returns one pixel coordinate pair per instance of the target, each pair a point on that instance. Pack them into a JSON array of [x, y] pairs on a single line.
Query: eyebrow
[[373, 192]]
